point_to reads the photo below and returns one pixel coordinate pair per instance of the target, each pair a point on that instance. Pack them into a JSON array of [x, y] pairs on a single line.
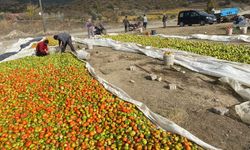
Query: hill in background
[[108, 9]]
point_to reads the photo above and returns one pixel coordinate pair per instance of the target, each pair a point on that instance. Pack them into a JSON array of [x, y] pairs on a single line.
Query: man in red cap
[[42, 48]]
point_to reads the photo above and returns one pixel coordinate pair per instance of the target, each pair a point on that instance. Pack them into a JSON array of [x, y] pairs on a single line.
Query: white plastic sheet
[[219, 38], [244, 93], [15, 51], [243, 110], [160, 121]]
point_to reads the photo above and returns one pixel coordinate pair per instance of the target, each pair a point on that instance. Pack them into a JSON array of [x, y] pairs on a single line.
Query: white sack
[[54, 49], [243, 110], [81, 54]]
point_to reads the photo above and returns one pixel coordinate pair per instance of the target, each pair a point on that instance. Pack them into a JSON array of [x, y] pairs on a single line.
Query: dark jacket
[[64, 38], [125, 22], [164, 19]]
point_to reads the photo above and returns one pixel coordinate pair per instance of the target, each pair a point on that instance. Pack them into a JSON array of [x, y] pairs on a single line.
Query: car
[[241, 21], [190, 17]]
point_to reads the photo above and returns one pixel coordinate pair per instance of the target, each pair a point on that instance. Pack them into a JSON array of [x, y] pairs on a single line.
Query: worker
[[164, 21], [42, 48], [145, 21], [64, 39], [90, 27], [126, 23]]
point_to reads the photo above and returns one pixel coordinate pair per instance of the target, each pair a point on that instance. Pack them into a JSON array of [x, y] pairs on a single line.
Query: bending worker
[[64, 39], [42, 48]]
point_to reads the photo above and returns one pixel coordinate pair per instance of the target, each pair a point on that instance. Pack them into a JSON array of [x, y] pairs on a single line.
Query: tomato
[[54, 103]]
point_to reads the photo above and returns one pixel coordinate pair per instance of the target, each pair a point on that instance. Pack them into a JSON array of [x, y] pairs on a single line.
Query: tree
[[211, 4], [31, 11]]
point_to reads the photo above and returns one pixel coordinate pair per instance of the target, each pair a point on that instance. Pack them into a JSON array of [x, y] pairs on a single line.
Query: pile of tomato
[[53, 102]]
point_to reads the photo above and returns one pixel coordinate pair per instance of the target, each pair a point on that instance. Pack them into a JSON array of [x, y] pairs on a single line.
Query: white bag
[[243, 110], [54, 49], [81, 54]]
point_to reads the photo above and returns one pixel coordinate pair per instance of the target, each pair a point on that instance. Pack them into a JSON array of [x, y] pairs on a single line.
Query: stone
[[132, 81], [152, 77], [90, 46], [132, 68], [215, 100], [172, 87], [176, 68], [159, 79], [112, 59], [220, 110]]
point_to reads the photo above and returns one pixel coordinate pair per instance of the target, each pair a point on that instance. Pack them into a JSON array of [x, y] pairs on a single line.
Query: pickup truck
[[226, 14]]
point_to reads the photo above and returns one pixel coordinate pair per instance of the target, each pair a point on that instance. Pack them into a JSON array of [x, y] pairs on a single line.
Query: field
[[236, 53], [52, 102]]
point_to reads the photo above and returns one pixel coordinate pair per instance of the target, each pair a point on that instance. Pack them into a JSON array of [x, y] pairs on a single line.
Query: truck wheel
[[202, 23], [182, 24]]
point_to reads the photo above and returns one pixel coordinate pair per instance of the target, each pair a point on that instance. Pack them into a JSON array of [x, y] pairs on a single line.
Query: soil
[[215, 29], [189, 106]]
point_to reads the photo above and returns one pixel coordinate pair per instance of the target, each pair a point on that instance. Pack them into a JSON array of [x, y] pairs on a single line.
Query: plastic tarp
[[14, 51], [243, 110], [158, 120], [244, 93], [219, 38]]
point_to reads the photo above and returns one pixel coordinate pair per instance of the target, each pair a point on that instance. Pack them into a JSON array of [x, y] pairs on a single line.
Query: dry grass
[[155, 15], [23, 26], [5, 27], [35, 27]]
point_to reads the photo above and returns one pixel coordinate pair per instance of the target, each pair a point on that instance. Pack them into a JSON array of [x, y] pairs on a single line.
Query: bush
[[210, 5], [110, 6]]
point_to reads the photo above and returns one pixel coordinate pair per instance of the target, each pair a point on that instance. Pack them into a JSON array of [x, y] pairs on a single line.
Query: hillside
[[106, 8], [98, 5], [20, 5]]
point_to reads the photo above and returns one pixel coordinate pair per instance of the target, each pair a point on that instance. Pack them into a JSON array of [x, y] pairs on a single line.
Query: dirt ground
[[215, 29], [188, 106]]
